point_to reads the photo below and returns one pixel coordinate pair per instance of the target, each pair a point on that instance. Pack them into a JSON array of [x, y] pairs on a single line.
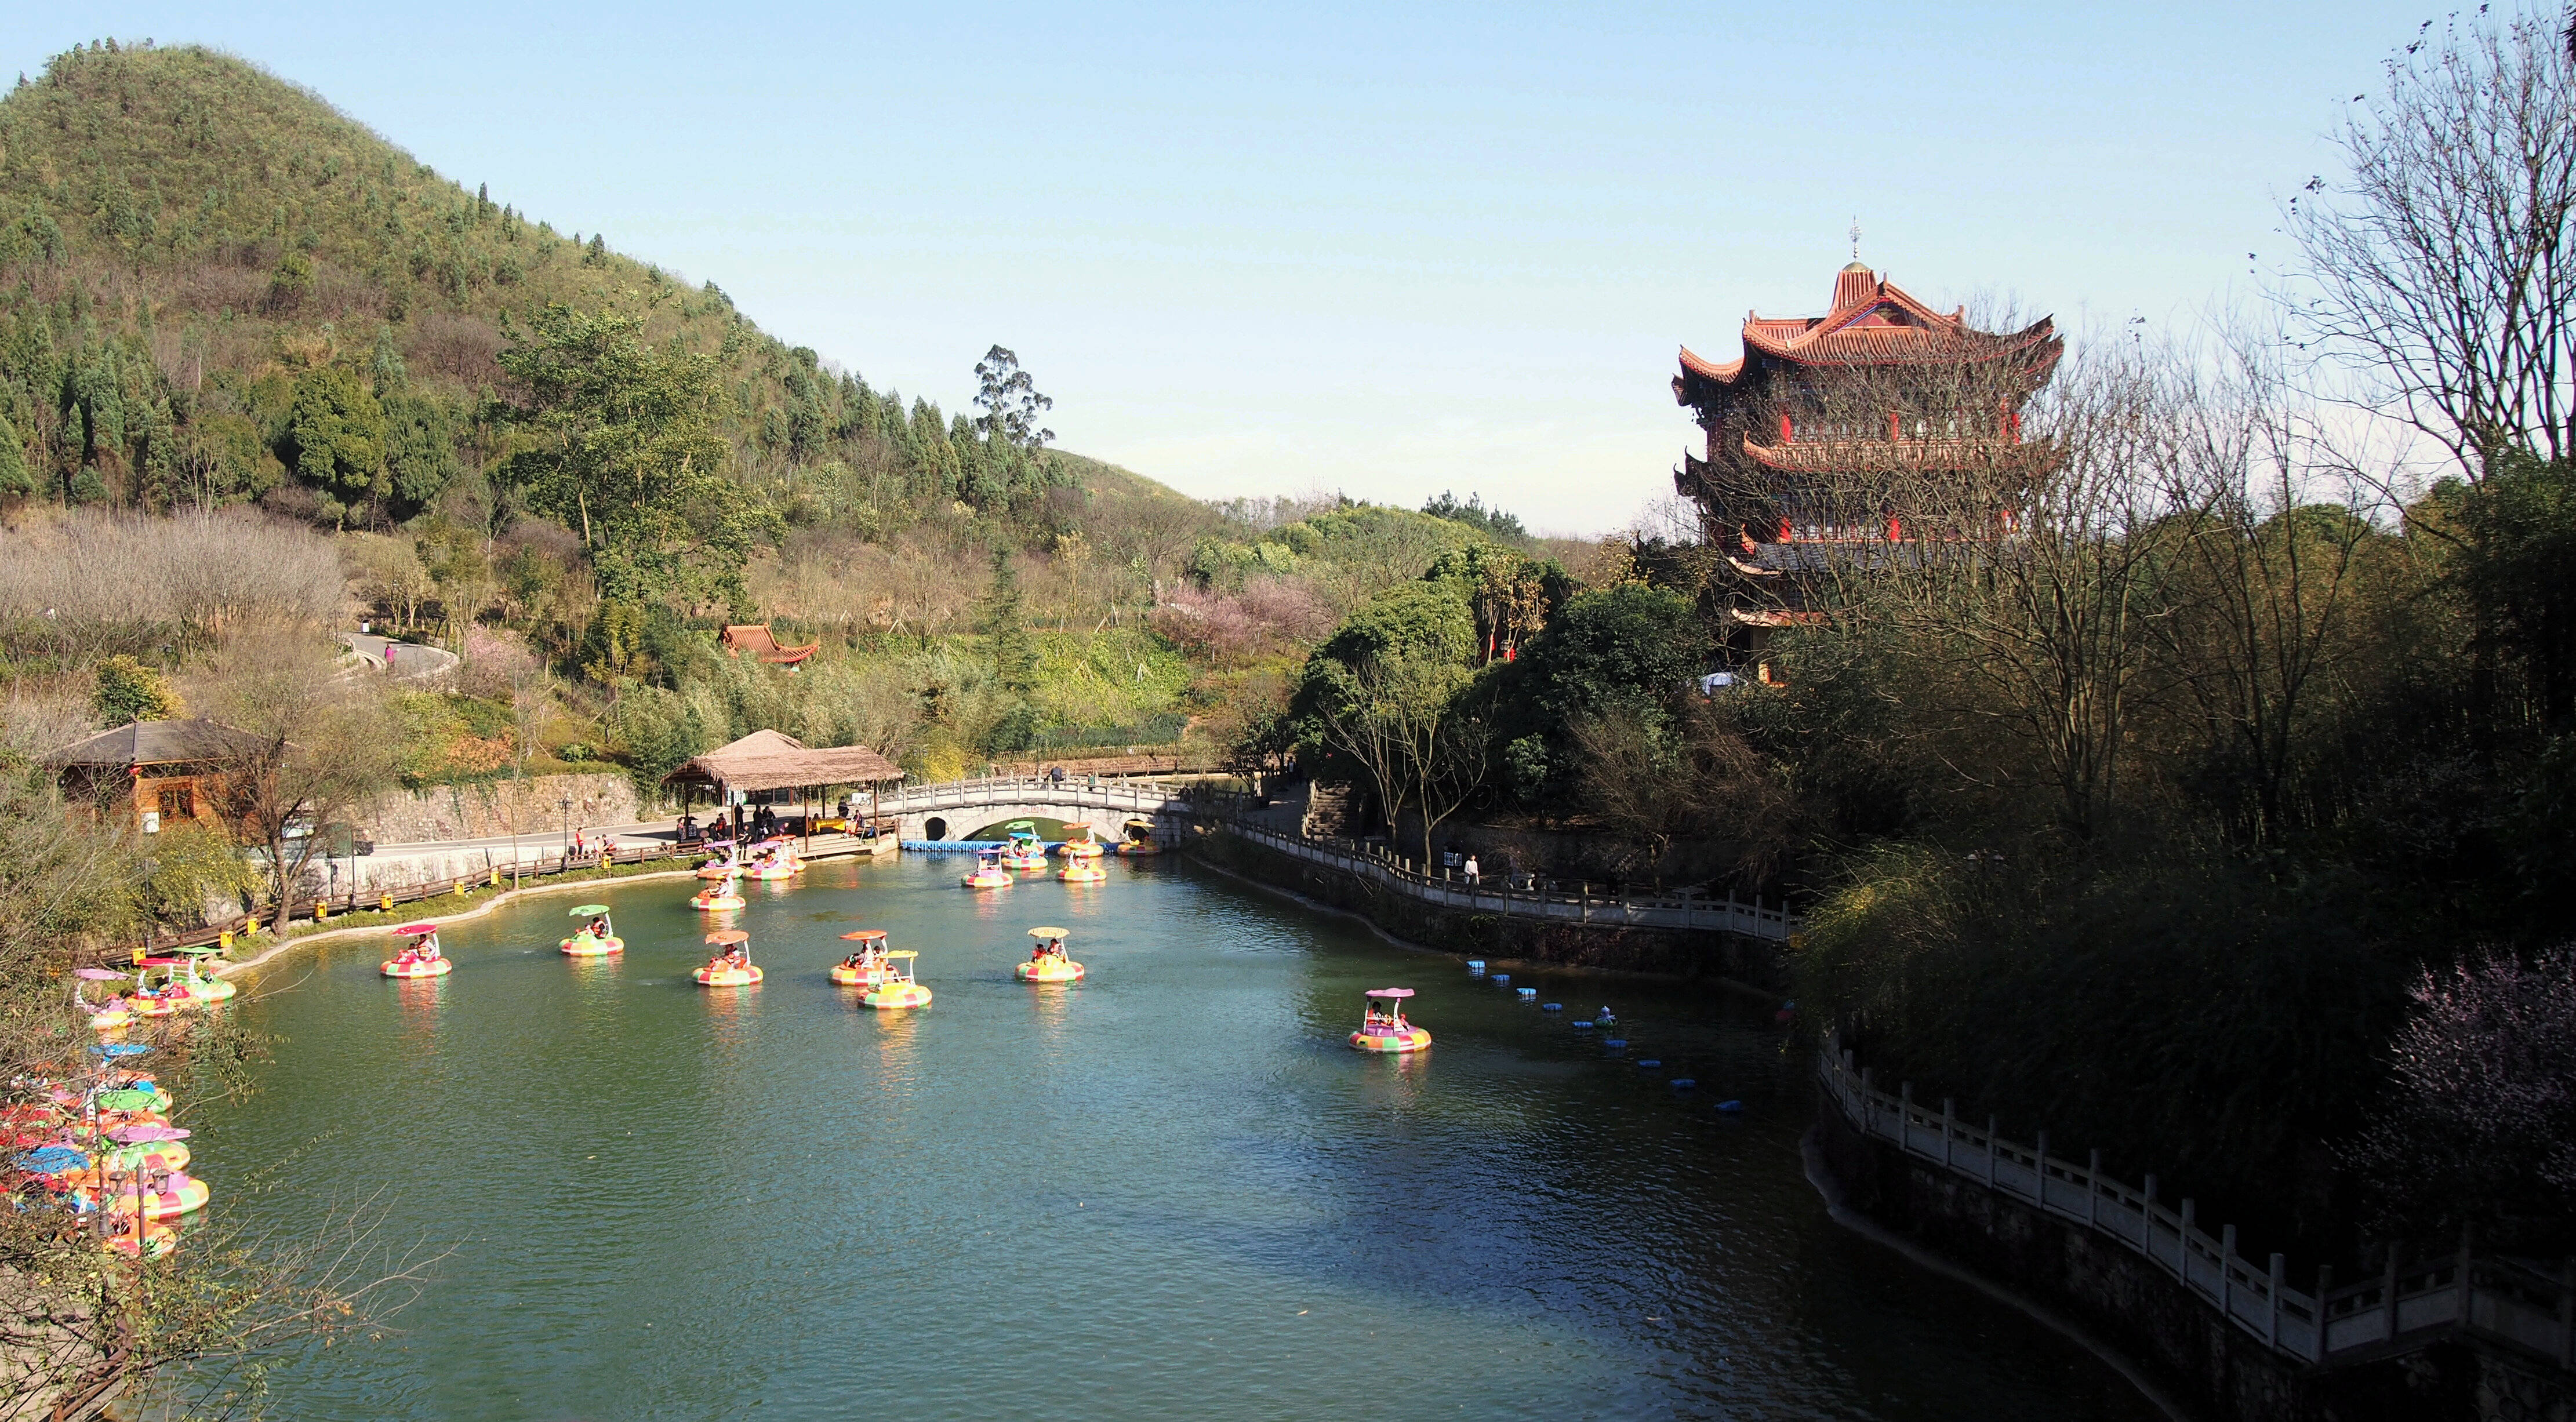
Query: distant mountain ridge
[[189, 244]]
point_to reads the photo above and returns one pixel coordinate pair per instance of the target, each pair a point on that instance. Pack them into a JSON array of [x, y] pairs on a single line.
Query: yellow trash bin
[[386, 903], [224, 938], [321, 910]]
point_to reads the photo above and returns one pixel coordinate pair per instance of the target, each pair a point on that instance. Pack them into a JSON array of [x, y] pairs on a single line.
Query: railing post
[[1905, 1115], [1868, 1108], [2093, 1189], [2182, 1246], [2039, 1168], [2388, 1291], [1949, 1114], [2325, 1286], [2148, 1215], [1990, 1152], [2272, 1323], [2226, 1272], [2468, 1290], [2567, 1313]]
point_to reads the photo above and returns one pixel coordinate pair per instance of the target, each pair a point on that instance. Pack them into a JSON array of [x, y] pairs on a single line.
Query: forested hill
[[192, 251]]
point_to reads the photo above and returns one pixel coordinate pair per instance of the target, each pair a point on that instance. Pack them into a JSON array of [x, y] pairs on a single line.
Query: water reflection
[[719, 1196]]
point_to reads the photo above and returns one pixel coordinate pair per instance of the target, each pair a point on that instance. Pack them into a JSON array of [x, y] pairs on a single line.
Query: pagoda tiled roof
[[1812, 456], [1872, 321]]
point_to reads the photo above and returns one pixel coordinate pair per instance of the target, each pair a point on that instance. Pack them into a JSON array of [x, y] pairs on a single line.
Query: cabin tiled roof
[[159, 743]]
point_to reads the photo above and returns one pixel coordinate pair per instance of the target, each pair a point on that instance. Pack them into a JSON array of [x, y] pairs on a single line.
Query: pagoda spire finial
[[1855, 236]]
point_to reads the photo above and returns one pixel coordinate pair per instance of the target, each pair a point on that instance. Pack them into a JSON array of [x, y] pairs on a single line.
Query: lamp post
[[567, 831]]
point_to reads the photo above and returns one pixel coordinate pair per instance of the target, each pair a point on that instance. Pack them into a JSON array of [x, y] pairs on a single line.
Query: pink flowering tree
[[2479, 1123]]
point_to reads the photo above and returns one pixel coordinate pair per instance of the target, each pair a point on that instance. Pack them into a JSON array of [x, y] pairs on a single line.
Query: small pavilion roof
[[757, 639], [774, 760], [159, 743]]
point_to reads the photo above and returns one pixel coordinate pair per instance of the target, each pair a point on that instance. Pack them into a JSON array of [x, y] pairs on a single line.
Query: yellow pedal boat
[[1047, 962], [897, 989]]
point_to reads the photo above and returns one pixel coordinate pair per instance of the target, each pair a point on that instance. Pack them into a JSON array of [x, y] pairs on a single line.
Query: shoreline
[[497, 898], [1733, 985]]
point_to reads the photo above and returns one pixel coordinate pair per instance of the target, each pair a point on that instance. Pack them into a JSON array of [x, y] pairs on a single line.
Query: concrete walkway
[[408, 661]]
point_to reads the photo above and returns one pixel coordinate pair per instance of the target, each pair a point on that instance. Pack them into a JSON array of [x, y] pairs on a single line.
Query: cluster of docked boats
[[163, 985], [99, 1147], [1023, 852]]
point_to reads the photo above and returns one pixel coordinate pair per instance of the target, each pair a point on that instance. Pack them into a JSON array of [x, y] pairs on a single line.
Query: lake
[[1169, 1191]]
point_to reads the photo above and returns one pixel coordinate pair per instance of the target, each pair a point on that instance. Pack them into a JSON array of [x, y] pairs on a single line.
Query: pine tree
[[16, 480], [1015, 657]]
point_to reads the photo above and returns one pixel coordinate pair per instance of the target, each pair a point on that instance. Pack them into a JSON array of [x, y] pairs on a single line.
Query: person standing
[[1472, 871]]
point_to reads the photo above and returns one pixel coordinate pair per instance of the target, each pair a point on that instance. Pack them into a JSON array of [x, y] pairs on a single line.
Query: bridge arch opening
[[934, 828]]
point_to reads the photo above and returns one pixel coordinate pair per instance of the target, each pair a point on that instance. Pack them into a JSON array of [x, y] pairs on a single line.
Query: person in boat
[[1038, 954], [598, 928]]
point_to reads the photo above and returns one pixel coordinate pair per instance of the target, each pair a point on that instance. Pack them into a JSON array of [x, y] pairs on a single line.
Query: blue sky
[[1385, 250]]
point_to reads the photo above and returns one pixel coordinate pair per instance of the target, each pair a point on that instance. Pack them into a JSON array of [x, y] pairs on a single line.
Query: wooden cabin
[[156, 773]]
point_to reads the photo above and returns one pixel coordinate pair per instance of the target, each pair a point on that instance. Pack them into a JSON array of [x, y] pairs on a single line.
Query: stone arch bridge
[[956, 808]]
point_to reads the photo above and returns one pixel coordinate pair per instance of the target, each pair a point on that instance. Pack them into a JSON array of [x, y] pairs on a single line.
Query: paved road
[[410, 659], [552, 841]]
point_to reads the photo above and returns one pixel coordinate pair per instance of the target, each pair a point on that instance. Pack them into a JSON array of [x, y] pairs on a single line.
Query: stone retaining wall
[[531, 807], [1500, 938]]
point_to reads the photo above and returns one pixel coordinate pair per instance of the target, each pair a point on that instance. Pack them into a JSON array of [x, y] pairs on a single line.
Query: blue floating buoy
[[1684, 1083], [1475, 965], [1582, 1026], [1552, 1007], [1731, 1108], [1649, 1063], [1529, 994], [1617, 1044], [1502, 980]]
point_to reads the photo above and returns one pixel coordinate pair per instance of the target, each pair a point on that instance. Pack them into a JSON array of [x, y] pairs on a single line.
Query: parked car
[[340, 838]]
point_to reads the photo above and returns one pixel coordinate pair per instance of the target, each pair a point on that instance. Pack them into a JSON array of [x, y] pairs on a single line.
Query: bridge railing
[[2413, 1298], [1141, 795]]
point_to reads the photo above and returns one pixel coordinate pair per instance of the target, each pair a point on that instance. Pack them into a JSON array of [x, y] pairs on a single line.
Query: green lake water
[[1169, 1191]]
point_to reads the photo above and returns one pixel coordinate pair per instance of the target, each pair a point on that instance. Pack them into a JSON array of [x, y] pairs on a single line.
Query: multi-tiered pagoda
[[1881, 421]]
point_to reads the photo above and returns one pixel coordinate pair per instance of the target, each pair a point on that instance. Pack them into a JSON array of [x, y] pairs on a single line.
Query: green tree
[[1391, 696], [16, 479], [336, 430], [1630, 647], [127, 691], [1009, 398], [1005, 619], [618, 439]]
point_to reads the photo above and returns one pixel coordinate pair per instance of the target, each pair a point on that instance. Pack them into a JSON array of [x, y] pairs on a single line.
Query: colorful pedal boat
[[898, 989], [586, 944], [1388, 1031]]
